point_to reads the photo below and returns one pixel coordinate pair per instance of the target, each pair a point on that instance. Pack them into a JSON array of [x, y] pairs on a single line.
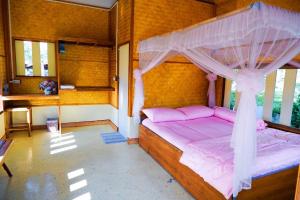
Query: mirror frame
[[14, 65]]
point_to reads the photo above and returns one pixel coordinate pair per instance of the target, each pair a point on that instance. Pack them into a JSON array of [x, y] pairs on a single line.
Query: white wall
[[70, 114]]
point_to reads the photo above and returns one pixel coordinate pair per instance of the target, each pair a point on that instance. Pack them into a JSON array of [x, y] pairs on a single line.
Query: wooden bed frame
[[277, 186]]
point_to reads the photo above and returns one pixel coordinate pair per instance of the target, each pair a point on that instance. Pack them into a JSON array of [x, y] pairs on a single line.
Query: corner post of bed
[[142, 116], [297, 193]]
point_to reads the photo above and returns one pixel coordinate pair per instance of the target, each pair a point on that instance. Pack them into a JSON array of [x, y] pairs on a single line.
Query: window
[[295, 121], [233, 95], [28, 58], [278, 95], [280, 100], [35, 58]]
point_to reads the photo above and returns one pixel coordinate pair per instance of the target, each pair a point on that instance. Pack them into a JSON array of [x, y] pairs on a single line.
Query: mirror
[[35, 58]]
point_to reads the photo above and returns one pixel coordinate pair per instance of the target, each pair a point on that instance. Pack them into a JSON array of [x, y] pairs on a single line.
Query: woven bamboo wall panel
[[84, 73], [124, 20], [286, 4], [175, 85], [226, 6], [85, 53], [2, 52], [79, 98], [154, 17], [2, 70], [84, 66], [50, 20], [28, 85]]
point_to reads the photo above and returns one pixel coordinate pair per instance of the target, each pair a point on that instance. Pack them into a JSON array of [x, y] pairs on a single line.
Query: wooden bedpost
[[297, 195]]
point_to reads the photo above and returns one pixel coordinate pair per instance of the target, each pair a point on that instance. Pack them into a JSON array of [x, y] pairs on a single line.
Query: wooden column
[[288, 96], [269, 96], [36, 58]]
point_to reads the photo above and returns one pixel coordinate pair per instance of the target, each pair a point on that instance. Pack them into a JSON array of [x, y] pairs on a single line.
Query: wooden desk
[[28, 97]]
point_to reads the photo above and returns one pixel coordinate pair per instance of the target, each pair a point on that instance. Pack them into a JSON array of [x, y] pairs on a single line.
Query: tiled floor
[[78, 165]]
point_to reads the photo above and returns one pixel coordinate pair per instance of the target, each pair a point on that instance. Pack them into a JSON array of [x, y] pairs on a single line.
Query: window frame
[[270, 124], [14, 64]]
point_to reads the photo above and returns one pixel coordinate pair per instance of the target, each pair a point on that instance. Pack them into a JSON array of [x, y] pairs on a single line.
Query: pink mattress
[[205, 143], [180, 133]]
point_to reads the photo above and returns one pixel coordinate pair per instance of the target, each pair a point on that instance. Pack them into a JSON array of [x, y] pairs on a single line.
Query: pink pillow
[[225, 113], [164, 114], [229, 115], [193, 112]]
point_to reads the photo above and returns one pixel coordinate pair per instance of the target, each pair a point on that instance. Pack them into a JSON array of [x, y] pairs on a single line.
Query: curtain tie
[[211, 77], [250, 81]]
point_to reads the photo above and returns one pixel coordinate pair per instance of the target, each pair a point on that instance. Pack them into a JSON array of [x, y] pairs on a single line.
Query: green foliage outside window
[[295, 122]]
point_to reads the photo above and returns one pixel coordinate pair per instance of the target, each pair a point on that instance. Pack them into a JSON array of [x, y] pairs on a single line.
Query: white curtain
[[243, 47]]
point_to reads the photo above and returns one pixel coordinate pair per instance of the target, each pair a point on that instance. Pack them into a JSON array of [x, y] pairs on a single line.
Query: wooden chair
[[20, 126], [4, 146]]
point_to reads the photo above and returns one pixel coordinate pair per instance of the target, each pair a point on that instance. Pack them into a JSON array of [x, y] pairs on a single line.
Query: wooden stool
[[20, 126]]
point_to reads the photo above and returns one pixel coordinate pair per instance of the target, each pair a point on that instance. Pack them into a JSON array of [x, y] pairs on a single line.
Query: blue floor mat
[[111, 138]]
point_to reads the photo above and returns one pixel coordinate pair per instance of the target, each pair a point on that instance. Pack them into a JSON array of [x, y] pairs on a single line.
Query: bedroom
[[94, 51]]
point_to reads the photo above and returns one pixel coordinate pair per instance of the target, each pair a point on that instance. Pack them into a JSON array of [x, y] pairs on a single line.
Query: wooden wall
[[113, 57], [2, 49], [80, 65], [176, 82], [125, 20], [50, 20], [224, 6]]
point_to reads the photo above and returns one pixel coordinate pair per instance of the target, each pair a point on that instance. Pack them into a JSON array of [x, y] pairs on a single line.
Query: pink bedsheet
[[212, 159], [180, 133]]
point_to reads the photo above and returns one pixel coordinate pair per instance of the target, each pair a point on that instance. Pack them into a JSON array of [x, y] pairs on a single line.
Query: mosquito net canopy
[[243, 47]]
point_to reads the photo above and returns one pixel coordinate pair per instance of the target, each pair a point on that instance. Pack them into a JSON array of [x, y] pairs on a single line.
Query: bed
[[175, 144]]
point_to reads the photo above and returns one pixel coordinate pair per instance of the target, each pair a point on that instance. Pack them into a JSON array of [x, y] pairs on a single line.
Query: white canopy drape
[[243, 47]]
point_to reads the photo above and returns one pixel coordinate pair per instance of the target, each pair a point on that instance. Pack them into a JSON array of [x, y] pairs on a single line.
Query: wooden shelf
[[29, 97], [90, 88], [86, 41]]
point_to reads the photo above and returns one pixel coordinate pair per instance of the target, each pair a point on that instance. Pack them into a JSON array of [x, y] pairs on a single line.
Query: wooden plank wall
[[177, 82]]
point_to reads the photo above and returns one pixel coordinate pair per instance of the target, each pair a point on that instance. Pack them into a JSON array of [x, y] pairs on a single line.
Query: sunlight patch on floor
[[75, 173], [62, 143], [85, 196]]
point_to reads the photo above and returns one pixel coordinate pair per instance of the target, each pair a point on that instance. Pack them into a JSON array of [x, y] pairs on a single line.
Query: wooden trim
[[131, 53], [171, 62], [133, 141], [29, 97], [207, 2], [297, 194], [283, 127], [14, 64], [33, 39], [277, 186], [7, 39], [123, 43], [80, 4]]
